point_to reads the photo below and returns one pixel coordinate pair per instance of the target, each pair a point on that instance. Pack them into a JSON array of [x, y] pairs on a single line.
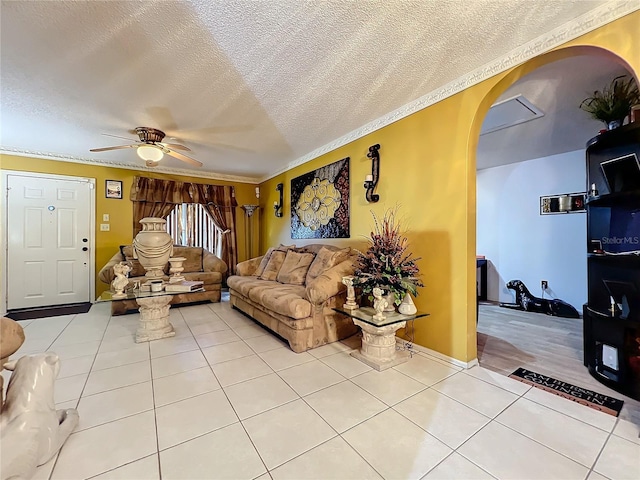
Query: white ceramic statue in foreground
[[120, 270], [379, 304], [31, 430]]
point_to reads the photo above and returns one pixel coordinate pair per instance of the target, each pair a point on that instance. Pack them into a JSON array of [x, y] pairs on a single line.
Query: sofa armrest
[[329, 284], [211, 263], [106, 274], [248, 267]]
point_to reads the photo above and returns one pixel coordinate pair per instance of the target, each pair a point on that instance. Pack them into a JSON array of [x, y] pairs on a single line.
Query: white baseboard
[[438, 355]]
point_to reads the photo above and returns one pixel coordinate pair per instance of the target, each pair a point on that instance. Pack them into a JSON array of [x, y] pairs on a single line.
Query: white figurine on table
[[379, 304], [121, 270], [350, 304]]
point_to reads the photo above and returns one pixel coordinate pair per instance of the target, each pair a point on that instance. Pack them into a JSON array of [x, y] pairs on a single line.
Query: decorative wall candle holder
[[277, 206], [371, 181]]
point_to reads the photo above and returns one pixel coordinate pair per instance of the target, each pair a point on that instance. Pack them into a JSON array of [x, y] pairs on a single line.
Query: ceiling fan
[[151, 148]]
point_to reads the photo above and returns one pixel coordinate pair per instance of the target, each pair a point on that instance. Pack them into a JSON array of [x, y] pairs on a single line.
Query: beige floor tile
[[259, 395], [181, 362], [103, 380], [264, 343], [345, 405], [329, 349], [508, 454], [75, 366], [69, 388], [619, 460], [576, 410], [477, 394], [190, 418], [333, 460], [226, 352], [287, 431], [346, 365], [596, 476], [134, 354], [77, 350], [251, 331], [456, 467], [219, 337], [180, 386], [103, 448], [240, 370], [207, 326], [114, 404], [497, 379], [575, 439], [143, 469], [390, 386], [425, 370], [396, 447], [627, 430], [282, 358], [446, 419], [172, 346], [310, 377], [225, 453], [118, 343]]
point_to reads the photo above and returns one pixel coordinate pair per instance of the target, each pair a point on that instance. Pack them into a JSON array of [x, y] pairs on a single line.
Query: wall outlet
[[105, 217], [544, 284], [104, 227]]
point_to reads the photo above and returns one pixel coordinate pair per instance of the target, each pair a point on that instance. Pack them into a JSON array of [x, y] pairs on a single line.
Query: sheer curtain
[[153, 197]]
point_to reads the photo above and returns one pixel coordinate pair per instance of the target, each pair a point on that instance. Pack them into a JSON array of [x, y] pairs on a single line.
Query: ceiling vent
[[510, 112]]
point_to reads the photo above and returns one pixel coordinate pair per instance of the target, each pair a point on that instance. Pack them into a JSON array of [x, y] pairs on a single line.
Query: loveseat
[[292, 291], [200, 264]]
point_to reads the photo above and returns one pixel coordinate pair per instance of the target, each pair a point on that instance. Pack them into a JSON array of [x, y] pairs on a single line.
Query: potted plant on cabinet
[[612, 104], [386, 263]]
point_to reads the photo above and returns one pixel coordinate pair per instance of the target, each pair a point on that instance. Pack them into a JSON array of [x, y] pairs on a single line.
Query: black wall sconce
[[277, 206], [371, 181]]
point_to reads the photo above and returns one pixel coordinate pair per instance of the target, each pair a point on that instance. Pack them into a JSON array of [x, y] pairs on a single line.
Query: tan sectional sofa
[[292, 291], [200, 265]]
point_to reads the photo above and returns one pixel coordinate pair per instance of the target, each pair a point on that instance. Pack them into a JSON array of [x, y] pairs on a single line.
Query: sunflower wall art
[[320, 202]]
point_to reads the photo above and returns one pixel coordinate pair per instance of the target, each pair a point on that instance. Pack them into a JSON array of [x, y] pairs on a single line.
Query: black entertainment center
[[612, 312]]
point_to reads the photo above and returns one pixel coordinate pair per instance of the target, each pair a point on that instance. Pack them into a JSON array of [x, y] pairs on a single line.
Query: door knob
[[85, 240], [84, 249]]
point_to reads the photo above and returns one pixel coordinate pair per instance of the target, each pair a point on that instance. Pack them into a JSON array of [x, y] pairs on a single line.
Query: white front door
[[48, 241]]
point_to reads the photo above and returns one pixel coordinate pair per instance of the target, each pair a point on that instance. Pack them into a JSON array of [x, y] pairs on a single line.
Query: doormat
[[52, 311], [597, 401]]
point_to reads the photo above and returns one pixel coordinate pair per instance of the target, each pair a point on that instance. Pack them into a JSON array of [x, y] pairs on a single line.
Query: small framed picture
[[113, 189]]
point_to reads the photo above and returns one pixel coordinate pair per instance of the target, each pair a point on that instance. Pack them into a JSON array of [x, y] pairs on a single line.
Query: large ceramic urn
[[153, 246]]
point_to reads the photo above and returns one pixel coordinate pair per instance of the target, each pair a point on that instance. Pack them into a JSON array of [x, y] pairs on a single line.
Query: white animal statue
[[379, 303], [31, 430]]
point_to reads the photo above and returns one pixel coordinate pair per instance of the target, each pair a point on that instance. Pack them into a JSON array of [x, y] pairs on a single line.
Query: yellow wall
[[428, 168], [121, 211]]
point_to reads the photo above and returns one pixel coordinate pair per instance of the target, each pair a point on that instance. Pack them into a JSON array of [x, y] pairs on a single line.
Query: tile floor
[[227, 399]]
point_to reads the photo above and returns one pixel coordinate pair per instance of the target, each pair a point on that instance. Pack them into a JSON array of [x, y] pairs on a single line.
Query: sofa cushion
[[137, 270], [283, 299], [325, 259], [193, 255], [294, 268], [263, 262], [273, 265]]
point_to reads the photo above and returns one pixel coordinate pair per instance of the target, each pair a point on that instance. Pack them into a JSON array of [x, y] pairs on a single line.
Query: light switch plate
[[105, 217], [104, 227], [610, 357]]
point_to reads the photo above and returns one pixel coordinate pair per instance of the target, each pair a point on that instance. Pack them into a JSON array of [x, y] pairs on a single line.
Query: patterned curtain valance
[[170, 191]]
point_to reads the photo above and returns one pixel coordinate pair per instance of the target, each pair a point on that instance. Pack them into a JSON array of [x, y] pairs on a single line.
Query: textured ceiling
[[253, 87]]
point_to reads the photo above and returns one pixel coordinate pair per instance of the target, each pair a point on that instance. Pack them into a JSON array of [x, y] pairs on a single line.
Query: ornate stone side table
[[379, 336]]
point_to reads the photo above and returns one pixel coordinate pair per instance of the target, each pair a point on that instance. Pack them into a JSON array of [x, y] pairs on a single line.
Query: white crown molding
[[127, 166], [588, 22]]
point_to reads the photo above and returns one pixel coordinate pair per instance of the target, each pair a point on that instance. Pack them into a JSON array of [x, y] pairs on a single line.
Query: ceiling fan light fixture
[[149, 153]]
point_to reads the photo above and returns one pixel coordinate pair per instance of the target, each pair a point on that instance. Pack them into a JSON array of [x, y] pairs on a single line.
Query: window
[[189, 224]]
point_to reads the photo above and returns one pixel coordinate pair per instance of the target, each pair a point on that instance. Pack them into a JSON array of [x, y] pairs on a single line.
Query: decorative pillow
[[325, 259], [273, 265], [284, 248], [137, 270], [263, 262], [294, 268]]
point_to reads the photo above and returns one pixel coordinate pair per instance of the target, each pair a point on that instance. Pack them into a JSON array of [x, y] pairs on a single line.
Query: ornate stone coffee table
[[154, 313], [379, 336]]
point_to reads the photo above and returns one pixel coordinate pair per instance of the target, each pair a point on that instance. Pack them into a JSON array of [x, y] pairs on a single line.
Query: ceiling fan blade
[[175, 146], [118, 136], [184, 158], [118, 147]]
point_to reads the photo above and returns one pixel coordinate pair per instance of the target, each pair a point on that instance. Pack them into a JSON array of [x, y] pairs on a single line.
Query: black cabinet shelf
[[612, 343]]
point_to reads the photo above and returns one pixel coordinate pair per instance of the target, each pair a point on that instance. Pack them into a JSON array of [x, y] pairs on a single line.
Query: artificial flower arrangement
[[386, 263]]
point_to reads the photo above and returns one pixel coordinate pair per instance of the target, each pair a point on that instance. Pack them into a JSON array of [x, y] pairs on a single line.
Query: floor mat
[[51, 311], [597, 401]]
